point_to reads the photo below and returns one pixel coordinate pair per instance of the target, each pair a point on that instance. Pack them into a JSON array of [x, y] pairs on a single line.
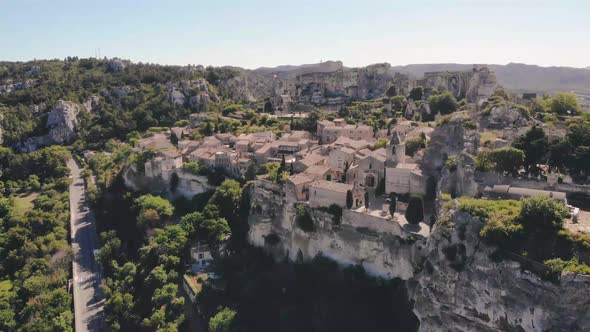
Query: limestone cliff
[[332, 83], [197, 94], [460, 288], [377, 243], [475, 85], [451, 137], [62, 125], [453, 282]]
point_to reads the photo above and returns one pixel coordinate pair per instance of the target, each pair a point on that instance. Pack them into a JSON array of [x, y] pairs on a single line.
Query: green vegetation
[[303, 218], [143, 272], [533, 228], [562, 103], [274, 171], [414, 144], [487, 139], [34, 252], [445, 103], [504, 160], [417, 93], [223, 321], [415, 210]]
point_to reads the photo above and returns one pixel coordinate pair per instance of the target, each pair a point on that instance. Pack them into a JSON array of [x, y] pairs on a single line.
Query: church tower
[[395, 151]]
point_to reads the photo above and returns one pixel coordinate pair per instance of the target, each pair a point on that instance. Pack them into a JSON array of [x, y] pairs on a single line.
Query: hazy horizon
[[263, 33]]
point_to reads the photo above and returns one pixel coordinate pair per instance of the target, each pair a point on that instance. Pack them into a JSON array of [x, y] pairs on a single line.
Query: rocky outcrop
[[475, 85], [91, 105], [504, 115], [458, 178], [9, 86], [62, 122], [452, 281], [197, 93], [451, 137], [62, 125], [116, 65], [460, 289], [379, 244]]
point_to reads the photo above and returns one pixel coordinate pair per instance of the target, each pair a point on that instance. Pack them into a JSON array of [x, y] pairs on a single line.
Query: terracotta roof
[[301, 178], [317, 170], [312, 159], [332, 186]]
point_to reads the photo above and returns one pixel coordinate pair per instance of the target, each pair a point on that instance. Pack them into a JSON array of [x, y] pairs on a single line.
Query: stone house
[[401, 176], [165, 161], [298, 185], [369, 171], [320, 172], [201, 256], [309, 160], [340, 158], [325, 193], [329, 131]]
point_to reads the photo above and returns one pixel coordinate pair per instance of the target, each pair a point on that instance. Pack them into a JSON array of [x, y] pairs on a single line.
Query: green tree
[[417, 93], [392, 205], [174, 181], [415, 210], [223, 321], [250, 173], [561, 103], [153, 209], [445, 103], [542, 213], [349, 199], [535, 145], [507, 159]]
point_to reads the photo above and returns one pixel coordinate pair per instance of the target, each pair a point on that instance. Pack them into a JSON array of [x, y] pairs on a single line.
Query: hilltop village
[[224, 190], [362, 193]]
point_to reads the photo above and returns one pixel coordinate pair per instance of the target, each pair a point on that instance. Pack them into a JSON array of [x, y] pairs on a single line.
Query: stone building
[[325, 193], [329, 131], [401, 176]]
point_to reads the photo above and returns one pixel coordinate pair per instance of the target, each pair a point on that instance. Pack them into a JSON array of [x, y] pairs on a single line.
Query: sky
[[256, 33]]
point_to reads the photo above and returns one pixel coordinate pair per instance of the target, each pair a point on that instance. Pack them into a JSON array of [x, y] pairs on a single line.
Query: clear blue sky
[[254, 33]]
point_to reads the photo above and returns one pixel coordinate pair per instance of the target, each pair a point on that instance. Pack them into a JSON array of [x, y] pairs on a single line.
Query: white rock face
[[197, 93], [506, 115], [91, 105], [116, 65], [62, 123], [469, 292], [449, 139], [382, 255], [451, 279]]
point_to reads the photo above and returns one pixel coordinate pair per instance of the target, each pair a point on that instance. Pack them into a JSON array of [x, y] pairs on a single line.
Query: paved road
[[88, 298]]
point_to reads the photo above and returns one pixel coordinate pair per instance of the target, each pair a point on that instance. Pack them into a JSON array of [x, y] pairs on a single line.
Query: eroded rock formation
[[460, 288], [62, 125]]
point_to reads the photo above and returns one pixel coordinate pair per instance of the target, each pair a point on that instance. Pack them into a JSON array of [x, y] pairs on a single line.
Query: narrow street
[[88, 298]]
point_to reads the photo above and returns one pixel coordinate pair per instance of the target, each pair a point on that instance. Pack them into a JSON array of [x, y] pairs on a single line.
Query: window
[[201, 256]]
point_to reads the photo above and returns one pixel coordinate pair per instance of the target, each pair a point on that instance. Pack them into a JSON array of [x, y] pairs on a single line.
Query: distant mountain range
[[515, 77]]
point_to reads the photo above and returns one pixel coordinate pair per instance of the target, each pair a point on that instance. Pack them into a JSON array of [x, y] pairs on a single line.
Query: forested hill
[[128, 97]]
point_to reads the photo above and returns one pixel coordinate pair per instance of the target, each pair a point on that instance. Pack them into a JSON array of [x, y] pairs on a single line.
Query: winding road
[[87, 273]]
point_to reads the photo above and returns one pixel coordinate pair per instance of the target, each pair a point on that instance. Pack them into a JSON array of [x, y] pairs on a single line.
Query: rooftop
[[332, 186], [317, 170]]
